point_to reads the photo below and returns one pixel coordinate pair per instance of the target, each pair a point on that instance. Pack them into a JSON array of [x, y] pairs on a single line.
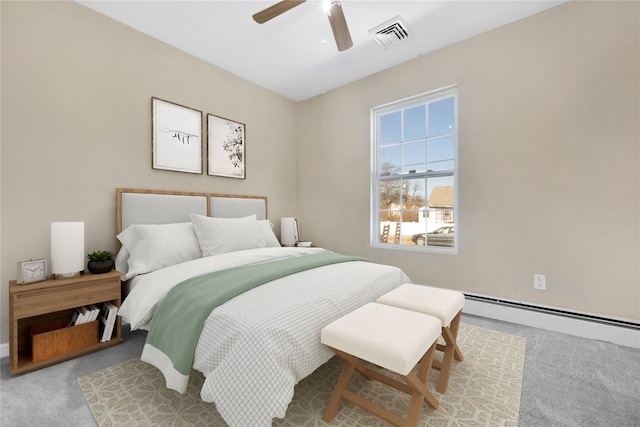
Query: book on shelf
[[74, 318], [84, 314], [108, 316], [95, 311], [106, 313]]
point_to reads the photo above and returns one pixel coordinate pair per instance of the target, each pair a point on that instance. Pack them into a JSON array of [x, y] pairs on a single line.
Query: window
[[414, 173]]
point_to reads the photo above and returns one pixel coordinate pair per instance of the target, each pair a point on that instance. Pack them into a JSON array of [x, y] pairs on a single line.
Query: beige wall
[[549, 146], [548, 160], [76, 114]]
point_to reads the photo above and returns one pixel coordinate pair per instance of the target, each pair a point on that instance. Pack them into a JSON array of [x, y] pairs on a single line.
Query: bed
[[254, 347]]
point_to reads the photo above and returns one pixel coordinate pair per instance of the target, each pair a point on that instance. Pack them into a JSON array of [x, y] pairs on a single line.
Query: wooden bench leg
[[336, 397], [453, 329], [424, 369], [415, 385], [415, 409], [455, 324], [451, 351], [447, 361]]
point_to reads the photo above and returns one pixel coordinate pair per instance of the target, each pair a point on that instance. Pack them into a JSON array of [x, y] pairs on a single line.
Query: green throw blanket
[[176, 325]]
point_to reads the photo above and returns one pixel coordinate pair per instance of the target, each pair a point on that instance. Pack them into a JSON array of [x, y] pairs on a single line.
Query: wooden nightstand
[[52, 299]]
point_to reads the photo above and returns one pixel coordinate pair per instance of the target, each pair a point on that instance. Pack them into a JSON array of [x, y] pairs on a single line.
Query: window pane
[[440, 192], [390, 128], [441, 117], [440, 153], [415, 156], [440, 211], [410, 226], [388, 226], [413, 191], [413, 220], [389, 194], [415, 123], [390, 159]]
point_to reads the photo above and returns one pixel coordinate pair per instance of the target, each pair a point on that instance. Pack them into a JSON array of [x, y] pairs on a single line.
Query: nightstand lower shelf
[[26, 365], [50, 304]]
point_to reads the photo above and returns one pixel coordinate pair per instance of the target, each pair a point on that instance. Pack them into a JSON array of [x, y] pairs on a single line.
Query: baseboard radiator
[[588, 325]]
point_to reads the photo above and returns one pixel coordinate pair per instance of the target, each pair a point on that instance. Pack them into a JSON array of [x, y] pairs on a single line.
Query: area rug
[[484, 390]]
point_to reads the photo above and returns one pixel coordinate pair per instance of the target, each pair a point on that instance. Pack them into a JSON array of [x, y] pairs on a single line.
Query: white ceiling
[[287, 54]]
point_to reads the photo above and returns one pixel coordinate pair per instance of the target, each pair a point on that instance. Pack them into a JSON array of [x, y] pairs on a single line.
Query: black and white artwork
[[226, 147], [177, 137]]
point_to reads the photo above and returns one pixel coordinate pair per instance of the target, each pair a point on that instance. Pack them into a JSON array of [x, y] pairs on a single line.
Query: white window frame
[[376, 112]]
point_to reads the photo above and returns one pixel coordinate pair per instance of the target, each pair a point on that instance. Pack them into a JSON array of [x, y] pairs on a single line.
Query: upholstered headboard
[[134, 206]]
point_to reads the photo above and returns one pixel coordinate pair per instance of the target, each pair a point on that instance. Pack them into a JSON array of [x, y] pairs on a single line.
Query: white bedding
[[254, 348]]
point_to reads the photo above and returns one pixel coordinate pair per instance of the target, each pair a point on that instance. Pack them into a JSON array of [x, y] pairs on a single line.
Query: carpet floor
[[484, 390]]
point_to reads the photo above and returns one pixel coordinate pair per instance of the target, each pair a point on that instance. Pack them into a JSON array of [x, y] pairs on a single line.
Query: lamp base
[[68, 275]]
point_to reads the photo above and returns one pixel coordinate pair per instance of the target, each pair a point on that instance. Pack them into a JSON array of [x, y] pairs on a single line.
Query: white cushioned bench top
[[441, 303], [387, 336]]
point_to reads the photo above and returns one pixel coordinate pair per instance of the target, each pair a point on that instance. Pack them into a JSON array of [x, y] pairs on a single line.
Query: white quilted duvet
[[254, 348]]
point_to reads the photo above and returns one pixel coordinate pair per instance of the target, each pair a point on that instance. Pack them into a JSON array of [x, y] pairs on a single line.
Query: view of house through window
[[414, 174]]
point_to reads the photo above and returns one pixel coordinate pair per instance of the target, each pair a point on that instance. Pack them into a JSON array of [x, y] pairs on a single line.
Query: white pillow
[[266, 228], [152, 247], [221, 235], [122, 261]]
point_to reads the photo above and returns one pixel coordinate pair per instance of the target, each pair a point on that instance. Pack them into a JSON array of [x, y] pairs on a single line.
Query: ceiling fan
[[334, 12]]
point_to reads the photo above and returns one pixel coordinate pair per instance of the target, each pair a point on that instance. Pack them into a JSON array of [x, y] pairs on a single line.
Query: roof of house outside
[[441, 197]]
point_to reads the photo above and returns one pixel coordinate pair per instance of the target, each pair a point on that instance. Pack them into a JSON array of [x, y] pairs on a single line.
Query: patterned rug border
[[484, 390]]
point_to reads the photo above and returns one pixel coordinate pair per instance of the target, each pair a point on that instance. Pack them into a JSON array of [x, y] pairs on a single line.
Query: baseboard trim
[[624, 332]]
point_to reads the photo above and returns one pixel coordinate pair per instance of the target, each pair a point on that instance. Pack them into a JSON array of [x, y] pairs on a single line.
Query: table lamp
[[288, 231], [67, 248]]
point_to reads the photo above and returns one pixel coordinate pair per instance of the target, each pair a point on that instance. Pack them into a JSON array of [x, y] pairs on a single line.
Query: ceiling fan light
[[326, 6]]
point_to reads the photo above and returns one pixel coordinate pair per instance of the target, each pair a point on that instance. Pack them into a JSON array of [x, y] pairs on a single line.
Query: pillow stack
[[146, 248]]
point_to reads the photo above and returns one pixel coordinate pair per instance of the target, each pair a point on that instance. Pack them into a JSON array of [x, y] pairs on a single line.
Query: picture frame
[[226, 147], [176, 137]]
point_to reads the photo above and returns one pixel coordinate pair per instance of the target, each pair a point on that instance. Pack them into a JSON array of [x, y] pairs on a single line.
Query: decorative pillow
[[270, 239], [122, 261], [152, 247], [221, 235]]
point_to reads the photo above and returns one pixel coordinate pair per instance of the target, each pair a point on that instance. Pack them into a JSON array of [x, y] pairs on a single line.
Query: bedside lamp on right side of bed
[[288, 231]]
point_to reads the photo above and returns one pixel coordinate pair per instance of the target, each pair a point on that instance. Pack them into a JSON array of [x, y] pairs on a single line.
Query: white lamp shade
[[67, 248], [288, 231]]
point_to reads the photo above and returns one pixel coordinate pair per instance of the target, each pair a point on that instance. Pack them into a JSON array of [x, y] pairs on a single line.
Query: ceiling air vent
[[391, 33]]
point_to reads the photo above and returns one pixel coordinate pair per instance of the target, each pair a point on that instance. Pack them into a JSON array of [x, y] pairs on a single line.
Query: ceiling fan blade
[[339, 26], [275, 10]]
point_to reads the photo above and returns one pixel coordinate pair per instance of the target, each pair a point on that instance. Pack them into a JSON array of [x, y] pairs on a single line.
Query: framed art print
[[226, 147], [177, 137]]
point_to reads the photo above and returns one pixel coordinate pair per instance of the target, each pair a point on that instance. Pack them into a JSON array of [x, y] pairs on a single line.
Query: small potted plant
[[100, 262]]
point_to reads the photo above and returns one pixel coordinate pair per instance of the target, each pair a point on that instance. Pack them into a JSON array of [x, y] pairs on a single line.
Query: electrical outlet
[[539, 282]]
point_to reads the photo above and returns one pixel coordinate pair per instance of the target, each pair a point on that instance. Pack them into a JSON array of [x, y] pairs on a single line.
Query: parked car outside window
[[443, 236]]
